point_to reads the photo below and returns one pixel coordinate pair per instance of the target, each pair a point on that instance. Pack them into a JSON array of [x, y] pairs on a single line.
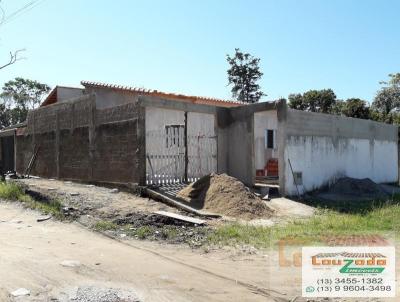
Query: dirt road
[[32, 252]]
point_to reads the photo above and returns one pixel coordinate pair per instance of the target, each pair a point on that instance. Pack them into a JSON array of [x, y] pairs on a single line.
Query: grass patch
[[105, 226], [143, 232], [380, 220], [170, 233], [13, 192]]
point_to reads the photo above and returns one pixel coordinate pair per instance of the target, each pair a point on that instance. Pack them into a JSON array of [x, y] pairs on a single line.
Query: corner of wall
[[282, 115]]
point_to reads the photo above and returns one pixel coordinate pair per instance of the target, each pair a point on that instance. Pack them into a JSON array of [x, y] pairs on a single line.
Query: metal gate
[[181, 153]]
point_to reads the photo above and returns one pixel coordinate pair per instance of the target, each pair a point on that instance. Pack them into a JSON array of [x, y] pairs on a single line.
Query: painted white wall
[[166, 163], [202, 143], [158, 118], [323, 159], [264, 120]]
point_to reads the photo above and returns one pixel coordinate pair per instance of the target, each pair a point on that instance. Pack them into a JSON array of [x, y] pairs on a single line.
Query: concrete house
[[115, 134]]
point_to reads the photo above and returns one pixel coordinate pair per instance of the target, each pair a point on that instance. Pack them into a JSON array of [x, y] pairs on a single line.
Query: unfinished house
[[114, 134]]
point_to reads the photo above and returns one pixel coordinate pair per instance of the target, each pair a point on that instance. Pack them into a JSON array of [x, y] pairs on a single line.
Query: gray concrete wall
[[108, 97], [236, 144], [64, 94], [241, 150]]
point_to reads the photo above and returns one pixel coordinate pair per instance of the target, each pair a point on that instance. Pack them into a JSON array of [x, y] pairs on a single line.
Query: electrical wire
[[26, 8]]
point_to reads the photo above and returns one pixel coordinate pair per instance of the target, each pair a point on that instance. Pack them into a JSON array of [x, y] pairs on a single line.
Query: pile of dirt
[[225, 195], [354, 189]]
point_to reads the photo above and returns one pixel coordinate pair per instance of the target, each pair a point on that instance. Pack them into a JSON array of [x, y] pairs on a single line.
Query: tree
[[323, 101], [14, 57], [244, 73], [387, 98], [19, 96], [357, 108]]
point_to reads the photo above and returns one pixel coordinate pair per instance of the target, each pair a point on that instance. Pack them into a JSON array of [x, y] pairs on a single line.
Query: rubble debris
[[70, 211], [223, 194], [43, 218], [70, 263], [11, 175], [181, 217], [114, 191], [139, 219], [21, 292], [95, 294], [159, 227]]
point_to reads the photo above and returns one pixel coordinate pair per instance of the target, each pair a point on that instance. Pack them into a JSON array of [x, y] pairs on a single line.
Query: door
[[7, 154]]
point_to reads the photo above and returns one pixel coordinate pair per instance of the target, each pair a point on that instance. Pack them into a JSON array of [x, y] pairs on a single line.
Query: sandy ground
[[97, 198], [31, 253], [104, 203]]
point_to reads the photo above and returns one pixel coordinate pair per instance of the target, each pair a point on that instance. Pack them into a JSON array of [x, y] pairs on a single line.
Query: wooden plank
[[169, 201], [181, 217]]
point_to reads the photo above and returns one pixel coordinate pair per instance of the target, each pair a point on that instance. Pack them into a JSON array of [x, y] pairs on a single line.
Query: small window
[[270, 139], [174, 136]]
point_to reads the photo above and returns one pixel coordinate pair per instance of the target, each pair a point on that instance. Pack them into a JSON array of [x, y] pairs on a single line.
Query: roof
[[167, 95]]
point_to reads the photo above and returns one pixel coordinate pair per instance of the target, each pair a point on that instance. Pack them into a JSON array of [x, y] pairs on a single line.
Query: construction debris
[[181, 217], [43, 218], [70, 263], [95, 294], [20, 292], [225, 195]]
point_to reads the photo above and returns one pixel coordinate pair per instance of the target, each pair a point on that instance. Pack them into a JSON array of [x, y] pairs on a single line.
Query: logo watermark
[[348, 271]]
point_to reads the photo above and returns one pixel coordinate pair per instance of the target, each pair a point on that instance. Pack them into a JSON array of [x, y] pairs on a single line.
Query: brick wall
[[116, 146], [79, 142], [74, 154]]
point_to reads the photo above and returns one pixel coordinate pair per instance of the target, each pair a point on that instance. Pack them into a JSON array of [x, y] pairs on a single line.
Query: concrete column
[[92, 136], [281, 140], [140, 172], [57, 144]]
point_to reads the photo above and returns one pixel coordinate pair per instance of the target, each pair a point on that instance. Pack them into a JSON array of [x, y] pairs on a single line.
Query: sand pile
[[225, 195]]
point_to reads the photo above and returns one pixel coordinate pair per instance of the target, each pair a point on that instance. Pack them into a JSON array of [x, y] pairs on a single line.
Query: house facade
[[114, 134]]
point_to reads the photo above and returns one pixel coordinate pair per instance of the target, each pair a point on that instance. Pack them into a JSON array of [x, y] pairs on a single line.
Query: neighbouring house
[[117, 134]]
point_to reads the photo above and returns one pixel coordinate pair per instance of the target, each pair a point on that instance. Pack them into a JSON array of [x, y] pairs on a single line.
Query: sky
[[180, 45]]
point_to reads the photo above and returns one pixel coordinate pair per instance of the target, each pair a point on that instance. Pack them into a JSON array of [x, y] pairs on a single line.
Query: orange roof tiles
[[172, 96]]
